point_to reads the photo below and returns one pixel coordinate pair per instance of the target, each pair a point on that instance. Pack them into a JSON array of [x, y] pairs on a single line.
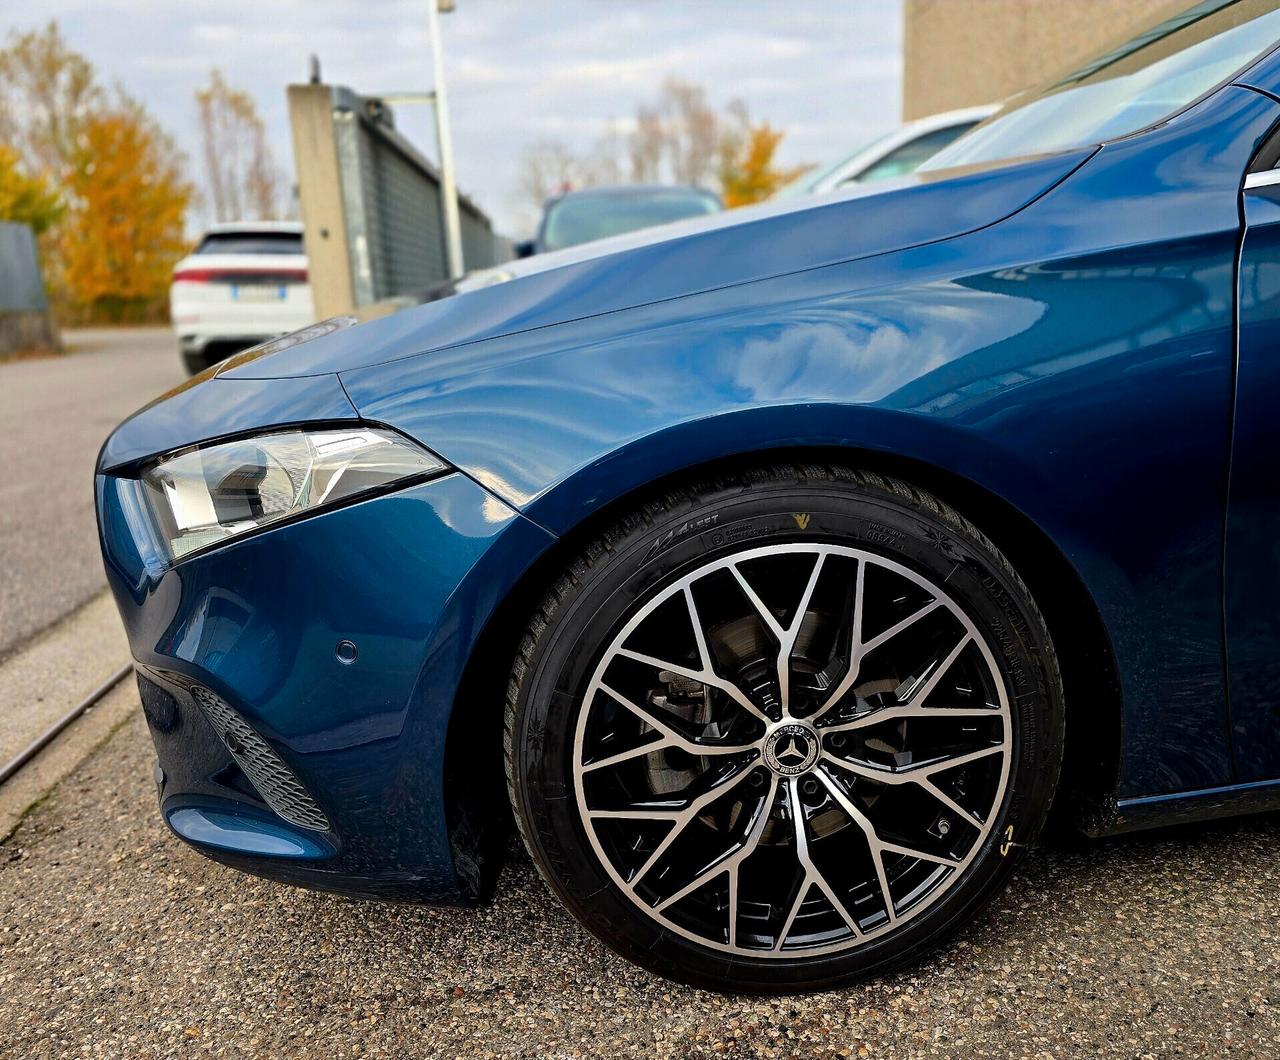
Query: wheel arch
[[475, 798]]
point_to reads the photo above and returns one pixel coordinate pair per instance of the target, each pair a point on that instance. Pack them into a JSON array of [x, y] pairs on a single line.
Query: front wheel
[[782, 730]]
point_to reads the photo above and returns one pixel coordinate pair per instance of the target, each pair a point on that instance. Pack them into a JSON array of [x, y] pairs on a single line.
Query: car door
[[1252, 558]]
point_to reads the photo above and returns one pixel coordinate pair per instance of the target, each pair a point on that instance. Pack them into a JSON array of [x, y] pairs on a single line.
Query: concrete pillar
[[315, 157]]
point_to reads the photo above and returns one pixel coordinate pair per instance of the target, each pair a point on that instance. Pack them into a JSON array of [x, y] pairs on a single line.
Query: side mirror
[[526, 248]]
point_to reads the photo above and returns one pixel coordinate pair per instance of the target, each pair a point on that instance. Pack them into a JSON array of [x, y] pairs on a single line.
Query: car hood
[[688, 257]]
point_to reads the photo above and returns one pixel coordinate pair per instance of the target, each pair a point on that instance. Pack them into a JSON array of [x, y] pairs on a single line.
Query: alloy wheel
[[792, 750]]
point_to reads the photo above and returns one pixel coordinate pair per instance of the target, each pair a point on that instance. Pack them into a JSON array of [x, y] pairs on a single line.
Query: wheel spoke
[[635, 815], [785, 635], [869, 832], [689, 808], [906, 710], [813, 877], [766, 616], [732, 860], [919, 775], [919, 855], [917, 693], [912, 774], [733, 906], [706, 677], [898, 627], [684, 818], [806, 885], [859, 649], [699, 634], [669, 737], [951, 803], [956, 761], [855, 645]]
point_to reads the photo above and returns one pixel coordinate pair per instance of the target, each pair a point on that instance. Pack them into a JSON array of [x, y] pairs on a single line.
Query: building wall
[[957, 53]]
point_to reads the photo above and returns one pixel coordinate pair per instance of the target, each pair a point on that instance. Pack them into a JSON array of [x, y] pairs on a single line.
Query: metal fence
[[371, 204]]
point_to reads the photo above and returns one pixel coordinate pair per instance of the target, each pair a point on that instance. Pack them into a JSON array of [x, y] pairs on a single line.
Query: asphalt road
[[116, 940], [54, 414]]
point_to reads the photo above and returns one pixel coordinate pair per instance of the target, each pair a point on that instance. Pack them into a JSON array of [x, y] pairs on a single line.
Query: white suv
[[246, 282]]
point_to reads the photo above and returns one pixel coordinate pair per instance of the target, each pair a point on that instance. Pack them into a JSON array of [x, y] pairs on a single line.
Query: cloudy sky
[[828, 72]]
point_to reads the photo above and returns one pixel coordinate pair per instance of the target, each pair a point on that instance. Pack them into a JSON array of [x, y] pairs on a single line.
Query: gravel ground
[[115, 940]]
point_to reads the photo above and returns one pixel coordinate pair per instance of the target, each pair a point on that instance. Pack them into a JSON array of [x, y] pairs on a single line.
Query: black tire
[[686, 529], [194, 363]]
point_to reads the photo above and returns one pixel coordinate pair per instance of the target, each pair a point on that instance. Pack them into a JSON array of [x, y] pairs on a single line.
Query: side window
[[911, 155]]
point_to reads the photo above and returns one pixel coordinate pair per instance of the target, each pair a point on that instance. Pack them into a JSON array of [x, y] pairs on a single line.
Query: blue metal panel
[[1075, 359]]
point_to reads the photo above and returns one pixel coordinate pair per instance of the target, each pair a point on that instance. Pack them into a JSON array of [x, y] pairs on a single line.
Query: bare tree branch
[[239, 170]]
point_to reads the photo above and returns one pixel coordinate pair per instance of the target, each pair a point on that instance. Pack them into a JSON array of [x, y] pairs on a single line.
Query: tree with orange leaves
[[747, 170], [117, 175], [126, 225], [23, 198]]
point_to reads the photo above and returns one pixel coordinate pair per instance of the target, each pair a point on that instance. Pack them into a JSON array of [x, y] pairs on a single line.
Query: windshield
[[1143, 81], [582, 218]]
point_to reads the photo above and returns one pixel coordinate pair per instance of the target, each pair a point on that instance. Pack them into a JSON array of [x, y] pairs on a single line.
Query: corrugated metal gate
[[371, 204]]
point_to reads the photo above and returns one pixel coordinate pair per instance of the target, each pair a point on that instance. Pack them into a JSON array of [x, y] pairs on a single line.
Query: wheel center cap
[[791, 748]]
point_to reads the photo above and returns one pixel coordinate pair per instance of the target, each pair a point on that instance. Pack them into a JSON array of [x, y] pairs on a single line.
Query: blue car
[[780, 569]]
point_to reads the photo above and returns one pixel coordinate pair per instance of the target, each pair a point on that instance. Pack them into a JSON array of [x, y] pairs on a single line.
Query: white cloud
[[828, 74]]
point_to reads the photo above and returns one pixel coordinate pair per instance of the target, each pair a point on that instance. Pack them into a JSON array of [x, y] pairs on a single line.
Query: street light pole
[[448, 186]]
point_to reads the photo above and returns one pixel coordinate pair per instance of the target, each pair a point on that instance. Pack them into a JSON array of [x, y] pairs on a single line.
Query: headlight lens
[[202, 496]]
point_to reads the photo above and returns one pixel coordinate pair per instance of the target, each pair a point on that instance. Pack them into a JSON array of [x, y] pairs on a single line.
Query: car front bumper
[[410, 579]]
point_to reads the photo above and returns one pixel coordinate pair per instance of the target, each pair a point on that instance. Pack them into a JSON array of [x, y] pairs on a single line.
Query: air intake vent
[[275, 781], [158, 705]]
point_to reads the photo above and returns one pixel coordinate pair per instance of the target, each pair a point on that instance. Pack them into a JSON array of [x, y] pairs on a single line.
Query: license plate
[[257, 292]]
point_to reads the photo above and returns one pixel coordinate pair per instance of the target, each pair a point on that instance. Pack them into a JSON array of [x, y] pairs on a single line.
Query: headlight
[[202, 496]]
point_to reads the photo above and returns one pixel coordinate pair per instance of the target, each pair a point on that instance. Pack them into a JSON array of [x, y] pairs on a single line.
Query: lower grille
[[276, 783]]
